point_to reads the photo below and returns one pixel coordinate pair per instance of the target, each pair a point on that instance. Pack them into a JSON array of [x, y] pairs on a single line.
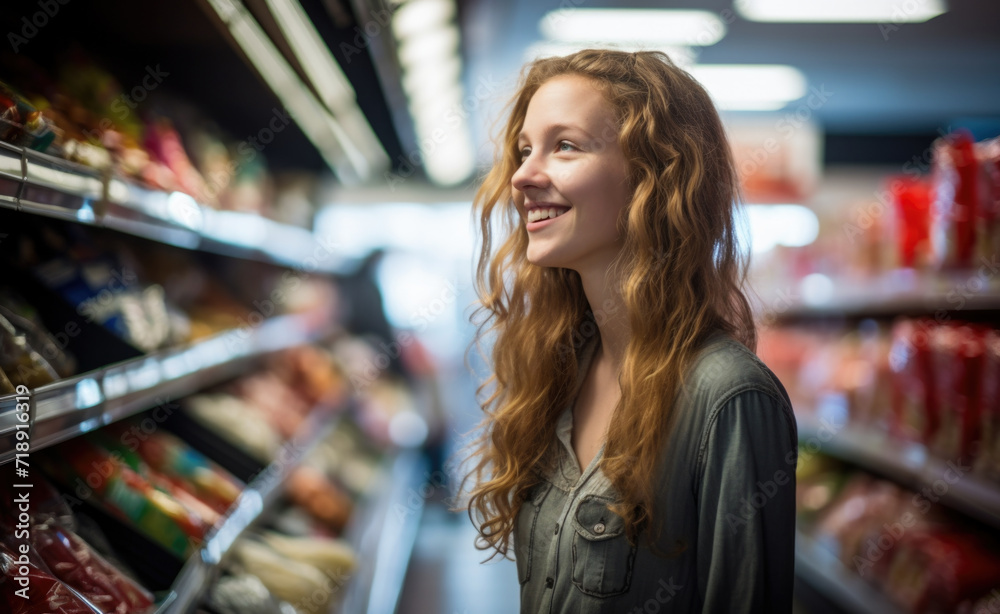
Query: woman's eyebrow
[[557, 128]]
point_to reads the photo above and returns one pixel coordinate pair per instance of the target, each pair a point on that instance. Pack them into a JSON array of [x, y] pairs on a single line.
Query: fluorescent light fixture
[[433, 45], [416, 16], [324, 72], [751, 87], [330, 82], [309, 113], [679, 54], [653, 26], [429, 78], [840, 11], [772, 225], [452, 160]]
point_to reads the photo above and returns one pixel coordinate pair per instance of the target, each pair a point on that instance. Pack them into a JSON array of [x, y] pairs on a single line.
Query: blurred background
[[337, 145]]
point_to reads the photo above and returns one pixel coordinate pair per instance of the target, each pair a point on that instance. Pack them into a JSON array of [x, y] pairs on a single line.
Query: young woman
[[635, 453]]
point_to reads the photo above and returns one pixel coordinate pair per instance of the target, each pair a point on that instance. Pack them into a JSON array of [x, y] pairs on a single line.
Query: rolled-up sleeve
[[745, 492]]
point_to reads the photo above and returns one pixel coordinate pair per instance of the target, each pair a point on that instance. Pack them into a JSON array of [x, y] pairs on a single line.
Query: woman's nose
[[531, 174]]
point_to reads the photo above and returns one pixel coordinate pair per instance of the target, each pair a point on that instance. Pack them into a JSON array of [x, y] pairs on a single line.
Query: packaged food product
[[956, 200], [988, 460], [236, 421], [934, 570], [988, 224], [20, 362], [21, 124], [311, 489], [87, 468], [241, 594], [71, 560], [914, 391], [912, 197], [46, 595], [299, 583], [334, 557], [25, 321], [184, 466]]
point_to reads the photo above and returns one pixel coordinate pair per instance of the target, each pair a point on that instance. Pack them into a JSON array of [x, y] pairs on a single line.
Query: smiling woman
[[629, 420]]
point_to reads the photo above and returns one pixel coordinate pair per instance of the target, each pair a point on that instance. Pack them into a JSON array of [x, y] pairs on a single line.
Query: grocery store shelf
[[908, 464], [39, 184], [86, 402], [203, 568], [824, 572], [383, 534], [902, 291]]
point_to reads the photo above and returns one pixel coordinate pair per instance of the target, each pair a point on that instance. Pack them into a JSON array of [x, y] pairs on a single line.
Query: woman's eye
[[525, 152], [566, 146]]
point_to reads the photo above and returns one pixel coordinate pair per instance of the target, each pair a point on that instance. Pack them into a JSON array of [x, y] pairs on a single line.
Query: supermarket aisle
[[445, 574]]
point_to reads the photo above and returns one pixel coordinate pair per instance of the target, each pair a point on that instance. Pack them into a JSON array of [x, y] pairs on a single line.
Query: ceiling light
[[451, 161], [317, 123], [416, 16], [840, 11], [433, 45], [750, 87], [431, 77], [654, 26], [313, 54]]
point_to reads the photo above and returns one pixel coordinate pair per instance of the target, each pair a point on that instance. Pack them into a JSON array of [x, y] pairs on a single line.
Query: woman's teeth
[[536, 215]]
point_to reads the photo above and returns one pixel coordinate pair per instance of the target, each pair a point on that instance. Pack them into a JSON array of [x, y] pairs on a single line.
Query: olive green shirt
[[727, 485]]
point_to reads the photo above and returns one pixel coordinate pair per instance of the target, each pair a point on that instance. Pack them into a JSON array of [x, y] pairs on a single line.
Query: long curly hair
[[682, 274]]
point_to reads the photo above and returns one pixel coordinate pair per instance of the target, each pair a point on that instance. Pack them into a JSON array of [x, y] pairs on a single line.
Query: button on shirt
[[726, 487]]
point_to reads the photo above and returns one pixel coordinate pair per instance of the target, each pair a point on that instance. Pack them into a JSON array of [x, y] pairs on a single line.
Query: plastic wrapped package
[[959, 351], [988, 223], [914, 392], [20, 362], [298, 583], [25, 318], [21, 124], [237, 422], [242, 594], [988, 460], [47, 595], [310, 489], [75, 563], [935, 570], [127, 494], [55, 549], [187, 468], [912, 198], [956, 200]]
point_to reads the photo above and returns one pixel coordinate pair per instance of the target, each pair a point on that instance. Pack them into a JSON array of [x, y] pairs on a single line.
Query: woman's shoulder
[[724, 368]]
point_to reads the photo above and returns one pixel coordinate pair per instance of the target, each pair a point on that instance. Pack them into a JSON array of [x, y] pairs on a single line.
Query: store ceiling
[[890, 95], [889, 92]]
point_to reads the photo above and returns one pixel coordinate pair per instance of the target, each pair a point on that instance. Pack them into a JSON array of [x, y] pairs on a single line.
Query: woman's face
[[571, 162]]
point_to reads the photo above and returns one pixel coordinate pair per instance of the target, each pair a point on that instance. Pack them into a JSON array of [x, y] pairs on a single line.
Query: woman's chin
[[544, 258]]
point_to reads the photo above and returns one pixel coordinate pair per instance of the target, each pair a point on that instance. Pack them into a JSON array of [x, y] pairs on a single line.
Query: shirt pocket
[[526, 550], [602, 556]]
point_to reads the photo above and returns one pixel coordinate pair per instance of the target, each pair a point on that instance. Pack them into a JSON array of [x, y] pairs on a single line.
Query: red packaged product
[[46, 594], [956, 199], [988, 224], [934, 571], [958, 351], [988, 460], [912, 198], [914, 392], [71, 560]]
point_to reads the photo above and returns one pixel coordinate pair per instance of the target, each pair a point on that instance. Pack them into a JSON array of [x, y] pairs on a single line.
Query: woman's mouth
[[543, 216]]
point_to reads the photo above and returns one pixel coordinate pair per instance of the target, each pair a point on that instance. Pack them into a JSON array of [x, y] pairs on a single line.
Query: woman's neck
[[609, 312]]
